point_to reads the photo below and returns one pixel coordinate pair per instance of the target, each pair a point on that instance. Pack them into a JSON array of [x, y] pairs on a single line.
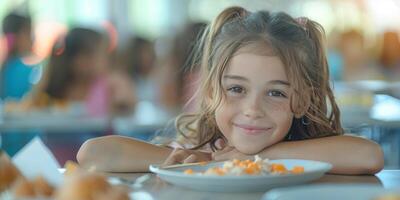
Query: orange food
[[89, 186], [249, 170], [278, 168], [38, 187], [252, 168], [83, 186], [70, 167], [247, 167], [189, 171], [24, 189], [219, 171], [297, 170], [8, 172], [42, 187]]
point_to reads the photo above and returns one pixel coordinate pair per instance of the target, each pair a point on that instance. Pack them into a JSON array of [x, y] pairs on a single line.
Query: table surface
[[154, 188]]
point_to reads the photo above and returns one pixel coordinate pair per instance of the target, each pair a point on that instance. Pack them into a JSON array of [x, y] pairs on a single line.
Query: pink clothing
[[97, 101]]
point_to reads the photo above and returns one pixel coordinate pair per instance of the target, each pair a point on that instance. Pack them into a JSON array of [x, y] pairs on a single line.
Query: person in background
[[77, 73], [77, 82], [357, 62], [390, 54], [179, 76], [334, 57], [139, 59], [16, 76]]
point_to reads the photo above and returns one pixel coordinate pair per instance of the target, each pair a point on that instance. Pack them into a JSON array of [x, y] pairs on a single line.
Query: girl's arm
[[120, 154], [347, 154]]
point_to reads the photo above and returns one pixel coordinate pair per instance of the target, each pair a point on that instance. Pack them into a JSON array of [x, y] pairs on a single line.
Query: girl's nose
[[253, 108]]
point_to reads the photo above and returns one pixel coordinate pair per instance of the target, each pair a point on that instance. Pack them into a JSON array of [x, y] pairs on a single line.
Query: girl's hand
[[179, 156], [229, 153]]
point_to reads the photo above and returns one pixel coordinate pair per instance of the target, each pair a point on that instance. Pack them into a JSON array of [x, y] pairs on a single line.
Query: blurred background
[[77, 69]]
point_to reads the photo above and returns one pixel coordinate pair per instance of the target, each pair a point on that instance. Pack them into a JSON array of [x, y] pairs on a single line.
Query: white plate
[[330, 192], [312, 170]]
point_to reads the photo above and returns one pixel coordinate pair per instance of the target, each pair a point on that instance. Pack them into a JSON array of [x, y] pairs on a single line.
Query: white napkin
[[35, 159]]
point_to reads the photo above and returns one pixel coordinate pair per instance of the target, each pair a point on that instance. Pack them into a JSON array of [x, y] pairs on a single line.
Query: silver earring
[[305, 121]]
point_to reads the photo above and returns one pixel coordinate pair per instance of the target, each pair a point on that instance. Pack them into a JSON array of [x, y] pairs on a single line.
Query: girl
[[264, 90]]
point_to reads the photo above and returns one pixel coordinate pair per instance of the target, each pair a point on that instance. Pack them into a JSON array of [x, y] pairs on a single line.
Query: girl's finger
[[191, 159], [176, 157], [170, 159], [220, 143]]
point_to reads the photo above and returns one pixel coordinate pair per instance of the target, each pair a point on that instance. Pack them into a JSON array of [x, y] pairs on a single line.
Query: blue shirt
[[17, 78]]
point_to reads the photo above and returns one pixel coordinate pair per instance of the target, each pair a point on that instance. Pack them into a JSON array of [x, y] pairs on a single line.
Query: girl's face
[[255, 112]]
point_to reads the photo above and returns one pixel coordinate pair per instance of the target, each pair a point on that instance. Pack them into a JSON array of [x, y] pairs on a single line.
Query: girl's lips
[[252, 130]]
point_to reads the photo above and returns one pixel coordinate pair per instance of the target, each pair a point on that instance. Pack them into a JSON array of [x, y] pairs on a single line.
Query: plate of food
[[242, 175]]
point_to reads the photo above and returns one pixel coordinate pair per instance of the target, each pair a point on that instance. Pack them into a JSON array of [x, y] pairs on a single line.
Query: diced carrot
[[253, 165], [297, 170], [278, 168], [249, 170], [189, 171], [242, 164], [219, 171]]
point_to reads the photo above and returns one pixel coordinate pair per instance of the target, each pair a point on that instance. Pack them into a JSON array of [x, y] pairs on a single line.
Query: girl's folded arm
[[120, 154], [348, 154]]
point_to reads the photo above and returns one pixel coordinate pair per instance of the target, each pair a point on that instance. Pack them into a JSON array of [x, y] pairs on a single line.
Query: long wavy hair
[[299, 43]]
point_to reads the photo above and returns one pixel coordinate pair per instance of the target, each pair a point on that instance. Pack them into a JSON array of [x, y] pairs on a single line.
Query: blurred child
[[264, 90], [139, 61], [390, 54], [357, 64], [180, 79], [77, 73], [17, 77]]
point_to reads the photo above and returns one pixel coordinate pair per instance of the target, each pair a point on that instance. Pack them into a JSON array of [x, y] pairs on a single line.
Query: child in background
[[16, 76], [264, 90], [139, 60], [77, 73]]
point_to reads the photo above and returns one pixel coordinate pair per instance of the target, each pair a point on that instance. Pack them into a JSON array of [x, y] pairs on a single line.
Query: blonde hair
[[298, 43]]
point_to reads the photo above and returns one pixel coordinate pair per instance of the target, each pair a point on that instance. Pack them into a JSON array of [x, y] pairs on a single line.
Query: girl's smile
[[251, 129]]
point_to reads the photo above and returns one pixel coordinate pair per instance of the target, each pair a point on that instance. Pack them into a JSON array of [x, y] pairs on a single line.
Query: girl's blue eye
[[235, 89], [276, 93]]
